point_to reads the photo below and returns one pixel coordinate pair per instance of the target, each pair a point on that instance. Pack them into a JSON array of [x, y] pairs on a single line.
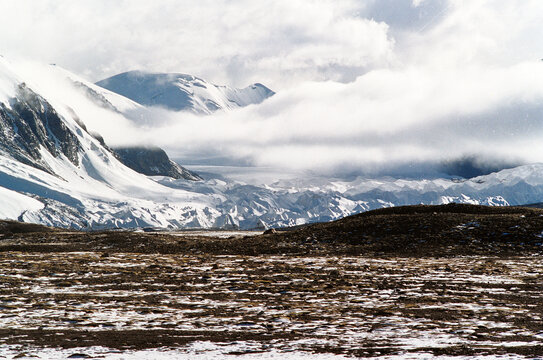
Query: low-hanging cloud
[[461, 91], [385, 119], [365, 94]]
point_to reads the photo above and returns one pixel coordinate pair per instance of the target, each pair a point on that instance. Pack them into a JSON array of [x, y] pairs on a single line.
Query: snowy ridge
[[183, 92], [100, 96]]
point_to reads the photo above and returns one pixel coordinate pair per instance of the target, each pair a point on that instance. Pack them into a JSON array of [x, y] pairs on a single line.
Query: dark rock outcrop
[[31, 123], [153, 161]]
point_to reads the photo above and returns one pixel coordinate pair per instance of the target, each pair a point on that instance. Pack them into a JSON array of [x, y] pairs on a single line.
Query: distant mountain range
[[55, 171], [181, 92]]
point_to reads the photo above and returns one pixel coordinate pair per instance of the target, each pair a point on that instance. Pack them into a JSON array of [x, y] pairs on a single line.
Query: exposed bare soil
[[449, 280]]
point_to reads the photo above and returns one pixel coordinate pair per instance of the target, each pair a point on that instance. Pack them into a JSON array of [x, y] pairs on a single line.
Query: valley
[[294, 180]]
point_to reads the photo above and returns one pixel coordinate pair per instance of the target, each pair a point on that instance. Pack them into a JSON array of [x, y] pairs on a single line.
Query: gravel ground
[[354, 306], [412, 282]]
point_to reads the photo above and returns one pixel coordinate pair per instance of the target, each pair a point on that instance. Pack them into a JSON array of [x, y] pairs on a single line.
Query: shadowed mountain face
[[31, 123], [181, 92], [153, 161]]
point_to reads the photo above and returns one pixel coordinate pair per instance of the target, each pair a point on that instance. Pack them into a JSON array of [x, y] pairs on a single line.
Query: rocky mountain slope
[[29, 125], [153, 161], [183, 92]]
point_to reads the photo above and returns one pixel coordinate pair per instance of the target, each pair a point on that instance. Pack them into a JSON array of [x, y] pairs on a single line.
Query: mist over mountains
[[56, 169], [367, 88], [292, 179], [412, 107]]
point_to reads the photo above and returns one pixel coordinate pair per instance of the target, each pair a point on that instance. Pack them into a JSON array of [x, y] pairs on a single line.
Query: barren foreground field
[[341, 305], [319, 302]]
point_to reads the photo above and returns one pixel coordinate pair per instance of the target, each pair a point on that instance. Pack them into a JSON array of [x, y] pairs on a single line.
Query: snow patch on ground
[[197, 351]]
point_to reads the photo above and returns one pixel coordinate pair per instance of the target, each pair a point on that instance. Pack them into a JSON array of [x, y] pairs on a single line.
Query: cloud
[[236, 42], [365, 87], [461, 90], [382, 120], [406, 15], [481, 32]]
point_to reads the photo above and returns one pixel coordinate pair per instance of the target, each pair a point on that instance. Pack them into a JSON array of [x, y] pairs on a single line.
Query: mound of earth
[[427, 230], [9, 227]]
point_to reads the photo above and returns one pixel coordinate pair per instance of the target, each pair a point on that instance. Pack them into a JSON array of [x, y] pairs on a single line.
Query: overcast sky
[[360, 83], [279, 42]]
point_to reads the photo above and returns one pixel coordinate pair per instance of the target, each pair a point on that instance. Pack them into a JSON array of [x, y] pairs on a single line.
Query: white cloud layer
[[384, 119], [362, 85], [237, 42]]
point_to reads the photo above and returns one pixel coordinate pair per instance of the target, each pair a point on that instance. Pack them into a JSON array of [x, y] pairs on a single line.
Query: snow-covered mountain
[[55, 171], [295, 202], [151, 160], [183, 92]]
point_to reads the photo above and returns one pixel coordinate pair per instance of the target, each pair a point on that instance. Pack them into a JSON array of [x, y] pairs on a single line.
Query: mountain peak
[[183, 92]]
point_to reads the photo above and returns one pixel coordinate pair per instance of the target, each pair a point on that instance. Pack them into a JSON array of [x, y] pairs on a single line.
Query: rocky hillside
[[422, 230], [29, 125]]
